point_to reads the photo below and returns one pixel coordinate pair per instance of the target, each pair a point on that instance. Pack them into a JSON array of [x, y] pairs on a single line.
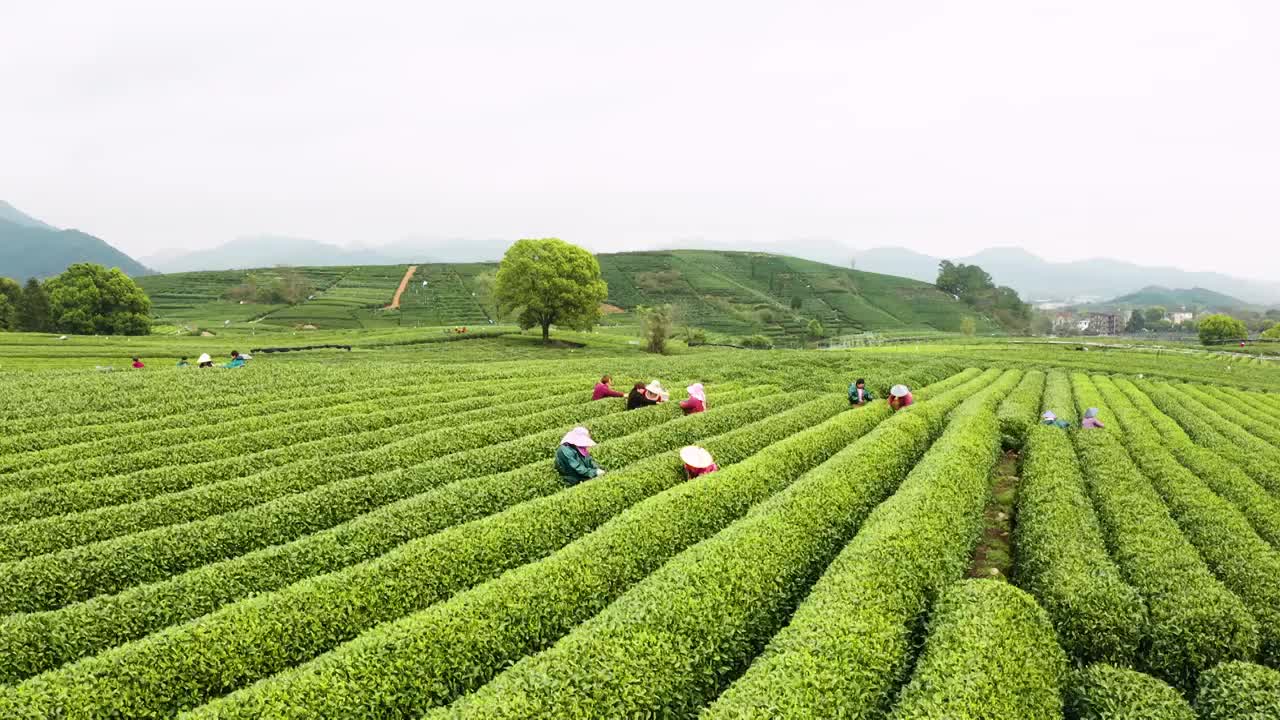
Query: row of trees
[[86, 299], [24, 307], [1155, 318]]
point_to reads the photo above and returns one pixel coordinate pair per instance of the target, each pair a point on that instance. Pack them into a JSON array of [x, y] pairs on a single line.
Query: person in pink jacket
[[697, 461], [697, 401], [604, 390]]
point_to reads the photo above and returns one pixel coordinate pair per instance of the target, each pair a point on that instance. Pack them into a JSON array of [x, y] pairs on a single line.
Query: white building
[[1177, 318]]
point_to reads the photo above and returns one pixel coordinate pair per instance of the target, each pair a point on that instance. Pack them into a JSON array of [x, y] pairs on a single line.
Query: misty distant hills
[[33, 248], [1038, 279], [17, 217], [271, 250], [266, 251]]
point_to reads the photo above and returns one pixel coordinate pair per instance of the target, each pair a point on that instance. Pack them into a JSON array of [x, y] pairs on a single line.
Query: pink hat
[[578, 437], [696, 392]]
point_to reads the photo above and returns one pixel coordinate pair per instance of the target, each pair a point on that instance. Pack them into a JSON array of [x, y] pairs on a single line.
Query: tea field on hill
[[727, 294], [379, 533]]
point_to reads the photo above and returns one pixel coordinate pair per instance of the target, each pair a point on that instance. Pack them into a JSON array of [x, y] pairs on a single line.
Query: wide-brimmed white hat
[[1091, 413], [899, 391], [655, 388], [697, 392], [695, 457], [204, 357], [1048, 415], [578, 437]]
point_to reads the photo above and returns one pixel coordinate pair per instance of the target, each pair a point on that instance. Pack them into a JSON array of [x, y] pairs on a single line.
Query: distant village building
[[1103, 324], [1177, 318]]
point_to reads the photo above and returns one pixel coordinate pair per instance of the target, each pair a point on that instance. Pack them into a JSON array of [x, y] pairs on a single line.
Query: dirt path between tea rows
[[404, 283]]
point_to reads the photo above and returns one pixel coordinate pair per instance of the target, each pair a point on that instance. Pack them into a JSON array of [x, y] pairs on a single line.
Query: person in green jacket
[[573, 457], [1048, 418], [859, 394]]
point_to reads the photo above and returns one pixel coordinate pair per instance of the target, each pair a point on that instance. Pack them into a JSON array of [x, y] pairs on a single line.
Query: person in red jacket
[[603, 390], [137, 364], [697, 401]]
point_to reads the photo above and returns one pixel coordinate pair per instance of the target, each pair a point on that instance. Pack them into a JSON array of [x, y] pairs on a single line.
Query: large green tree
[[550, 282], [33, 308], [1221, 328], [974, 287], [10, 295], [962, 280], [88, 299]]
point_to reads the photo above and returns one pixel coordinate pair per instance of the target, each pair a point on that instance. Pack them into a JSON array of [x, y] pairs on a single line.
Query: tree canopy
[[1221, 328], [10, 297], [33, 308], [549, 282], [90, 299], [962, 280], [974, 286]]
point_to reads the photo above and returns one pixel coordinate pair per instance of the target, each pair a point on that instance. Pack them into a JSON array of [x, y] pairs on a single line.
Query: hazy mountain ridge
[[33, 248], [1037, 279], [17, 217], [270, 250]]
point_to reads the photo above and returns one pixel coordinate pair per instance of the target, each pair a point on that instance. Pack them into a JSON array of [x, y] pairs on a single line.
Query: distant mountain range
[[1038, 279], [272, 250], [34, 248], [266, 251]]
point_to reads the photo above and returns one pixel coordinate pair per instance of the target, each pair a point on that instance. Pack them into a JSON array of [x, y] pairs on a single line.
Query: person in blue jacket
[[573, 457], [236, 360]]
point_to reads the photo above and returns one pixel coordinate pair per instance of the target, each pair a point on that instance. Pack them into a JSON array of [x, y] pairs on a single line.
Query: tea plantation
[[380, 533]]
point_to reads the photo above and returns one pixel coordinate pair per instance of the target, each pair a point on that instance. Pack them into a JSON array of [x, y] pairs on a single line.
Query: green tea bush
[[441, 434], [1244, 562], [49, 581], [850, 643], [990, 652], [1063, 560], [34, 642], [1019, 412], [1195, 622], [1260, 460], [1220, 474], [1259, 424], [1106, 692], [268, 633], [1239, 691], [667, 646]]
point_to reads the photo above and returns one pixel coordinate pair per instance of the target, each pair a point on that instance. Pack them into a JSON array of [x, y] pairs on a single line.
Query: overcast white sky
[[1143, 130]]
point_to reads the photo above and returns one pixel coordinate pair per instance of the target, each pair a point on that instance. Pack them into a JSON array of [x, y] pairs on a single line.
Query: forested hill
[[28, 250], [731, 293], [1193, 298]]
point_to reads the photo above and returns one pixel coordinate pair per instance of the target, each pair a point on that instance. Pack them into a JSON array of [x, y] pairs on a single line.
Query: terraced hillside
[[728, 293], [387, 538]]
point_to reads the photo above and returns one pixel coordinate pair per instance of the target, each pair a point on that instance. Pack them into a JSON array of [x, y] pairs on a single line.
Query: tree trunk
[[546, 332]]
